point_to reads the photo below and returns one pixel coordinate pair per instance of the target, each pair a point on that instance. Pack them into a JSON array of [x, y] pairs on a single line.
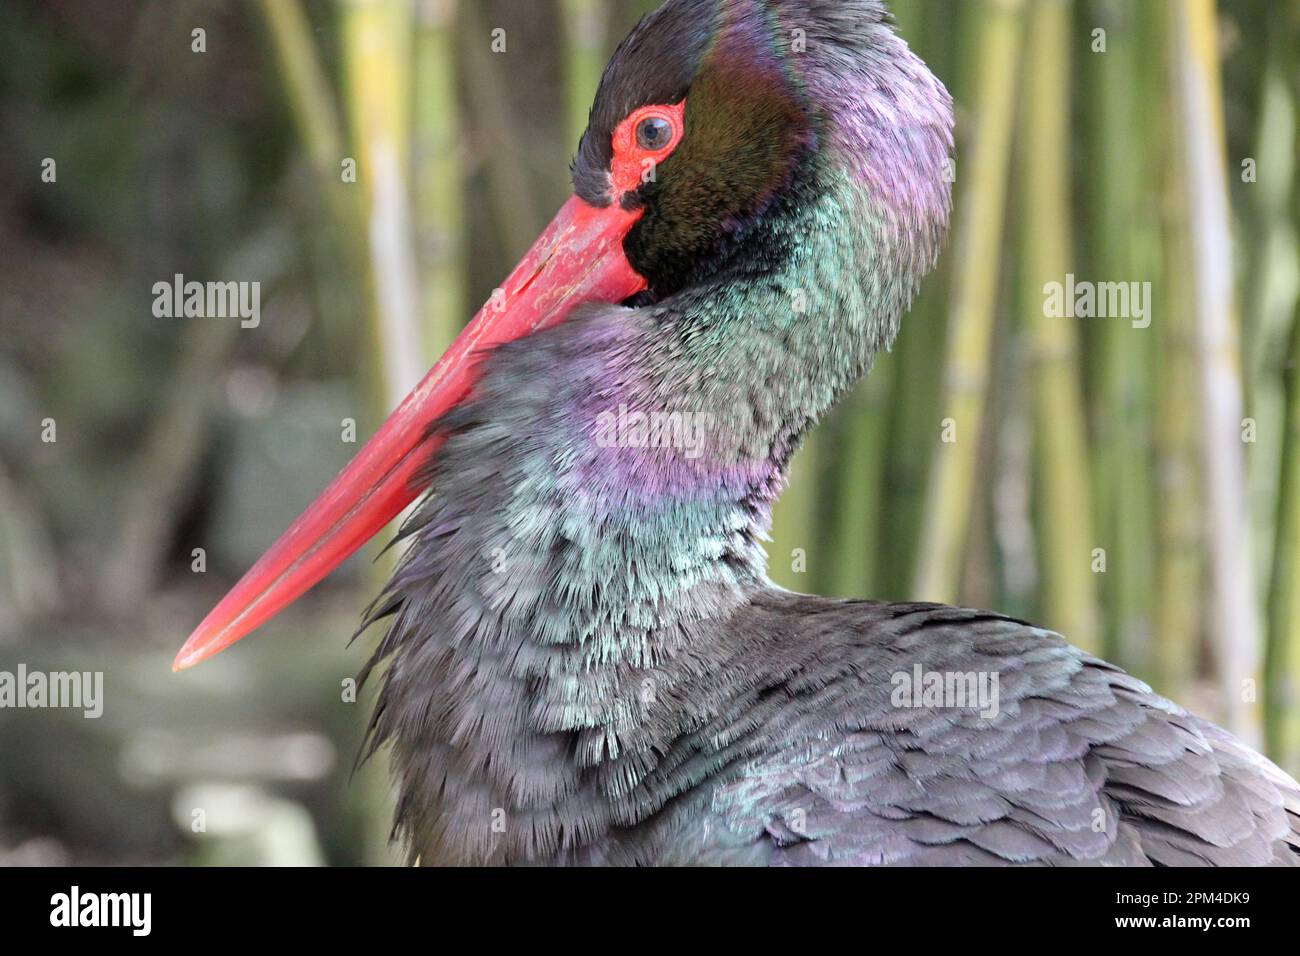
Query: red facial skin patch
[[632, 164]]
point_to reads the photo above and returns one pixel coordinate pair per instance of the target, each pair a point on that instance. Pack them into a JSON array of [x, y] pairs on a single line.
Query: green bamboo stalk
[[517, 213], [1282, 717], [1273, 343], [313, 105], [917, 356], [312, 102], [585, 25], [1282, 657], [978, 260], [1180, 602], [907, 18], [797, 558], [920, 349], [857, 480], [438, 177], [1272, 274], [1123, 465], [855, 518], [1064, 525], [1234, 608]]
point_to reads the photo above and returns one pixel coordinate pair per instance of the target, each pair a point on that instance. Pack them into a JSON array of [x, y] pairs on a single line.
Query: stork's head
[[711, 110], [714, 119]]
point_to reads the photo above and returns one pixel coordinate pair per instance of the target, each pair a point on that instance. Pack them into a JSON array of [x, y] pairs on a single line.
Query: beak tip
[[192, 652]]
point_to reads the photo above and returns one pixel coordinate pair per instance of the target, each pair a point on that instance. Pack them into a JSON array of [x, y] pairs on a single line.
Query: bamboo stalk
[[518, 215], [856, 521], [1282, 719], [920, 351], [1064, 525], [1272, 339], [1180, 603], [585, 25], [314, 108], [857, 480], [1282, 659], [1234, 613], [378, 88], [1272, 281], [311, 100], [438, 179], [796, 559], [1123, 464], [918, 356], [978, 254], [378, 55], [907, 19]]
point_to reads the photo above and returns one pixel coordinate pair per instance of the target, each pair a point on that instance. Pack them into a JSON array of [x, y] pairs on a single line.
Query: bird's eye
[[654, 133], [645, 138]]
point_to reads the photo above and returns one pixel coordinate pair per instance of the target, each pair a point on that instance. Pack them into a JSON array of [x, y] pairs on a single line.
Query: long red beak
[[578, 259]]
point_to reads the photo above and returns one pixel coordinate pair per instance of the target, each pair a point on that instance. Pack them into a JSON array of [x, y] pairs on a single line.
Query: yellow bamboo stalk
[[378, 89], [1064, 524], [1179, 606], [1234, 611], [376, 40], [978, 259]]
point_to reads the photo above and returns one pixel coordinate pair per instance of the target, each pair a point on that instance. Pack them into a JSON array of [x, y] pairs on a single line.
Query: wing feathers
[[1081, 764]]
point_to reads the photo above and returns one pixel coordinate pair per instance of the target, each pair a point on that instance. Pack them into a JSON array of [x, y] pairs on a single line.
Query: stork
[[583, 659]]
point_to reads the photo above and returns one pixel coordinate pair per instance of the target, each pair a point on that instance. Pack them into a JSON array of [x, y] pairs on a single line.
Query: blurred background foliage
[[1136, 488]]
